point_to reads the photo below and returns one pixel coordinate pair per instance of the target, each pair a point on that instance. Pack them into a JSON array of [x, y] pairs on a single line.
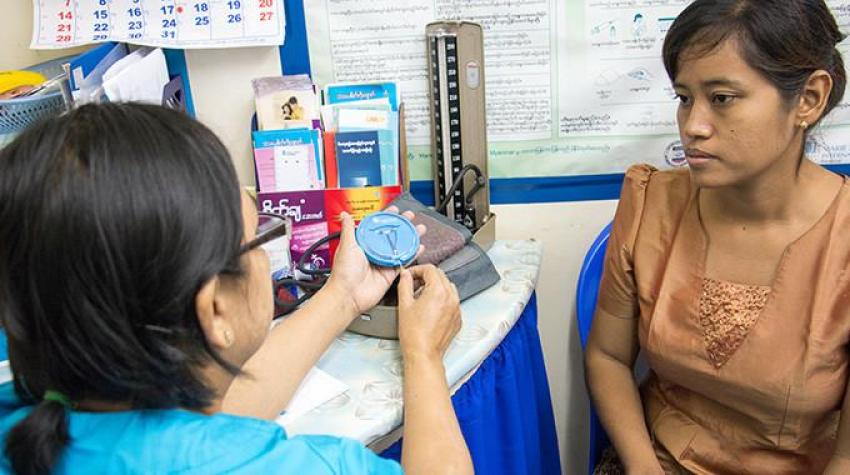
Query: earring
[[804, 125], [228, 338]]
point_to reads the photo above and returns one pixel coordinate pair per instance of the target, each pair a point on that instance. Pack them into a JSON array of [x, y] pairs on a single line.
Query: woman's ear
[[814, 97], [209, 307]]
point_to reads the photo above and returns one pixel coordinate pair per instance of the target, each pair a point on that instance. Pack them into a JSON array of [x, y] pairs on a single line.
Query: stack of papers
[[317, 388], [364, 122], [139, 77], [110, 72], [288, 160]]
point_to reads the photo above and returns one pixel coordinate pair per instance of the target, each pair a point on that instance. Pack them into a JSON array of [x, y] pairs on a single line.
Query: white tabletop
[[372, 367]]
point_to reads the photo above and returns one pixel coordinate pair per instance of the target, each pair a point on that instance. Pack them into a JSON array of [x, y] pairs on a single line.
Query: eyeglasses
[[270, 227]]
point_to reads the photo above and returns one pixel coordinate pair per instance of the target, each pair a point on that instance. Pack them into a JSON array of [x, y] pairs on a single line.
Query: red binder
[[331, 169]]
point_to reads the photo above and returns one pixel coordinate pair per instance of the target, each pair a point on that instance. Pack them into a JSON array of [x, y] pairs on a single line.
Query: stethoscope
[[387, 240], [308, 287]]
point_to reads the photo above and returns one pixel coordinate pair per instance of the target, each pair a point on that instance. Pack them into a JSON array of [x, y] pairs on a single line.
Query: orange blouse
[[745, 379]]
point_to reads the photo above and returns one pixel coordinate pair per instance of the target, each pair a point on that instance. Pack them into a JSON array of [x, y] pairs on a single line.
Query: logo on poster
[[674, 154]]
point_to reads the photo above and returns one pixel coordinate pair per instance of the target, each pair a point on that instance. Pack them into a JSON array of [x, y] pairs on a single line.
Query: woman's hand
[[428, 318], [352, 277]]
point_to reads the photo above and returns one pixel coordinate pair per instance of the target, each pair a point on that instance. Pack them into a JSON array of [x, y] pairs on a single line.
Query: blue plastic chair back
[[4, 346], [586, 293]]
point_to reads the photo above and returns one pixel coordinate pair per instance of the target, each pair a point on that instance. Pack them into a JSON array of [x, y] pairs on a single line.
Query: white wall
[[220, 81], [224, 100]]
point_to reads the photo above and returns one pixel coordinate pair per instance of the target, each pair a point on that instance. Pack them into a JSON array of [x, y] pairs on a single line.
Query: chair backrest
[[588, 283], [586, 293]]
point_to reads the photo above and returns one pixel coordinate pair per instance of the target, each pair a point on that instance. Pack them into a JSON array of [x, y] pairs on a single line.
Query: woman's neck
[[775, 195], [216, 377], [219, 380]]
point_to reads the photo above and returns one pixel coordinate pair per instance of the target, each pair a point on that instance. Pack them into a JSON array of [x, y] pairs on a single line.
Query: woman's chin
[[706, 178]]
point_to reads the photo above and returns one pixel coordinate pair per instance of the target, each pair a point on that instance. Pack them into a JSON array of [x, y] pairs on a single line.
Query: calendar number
[[201, 23]]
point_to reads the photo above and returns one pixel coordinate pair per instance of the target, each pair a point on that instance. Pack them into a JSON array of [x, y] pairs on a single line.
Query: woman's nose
[[695, 122]]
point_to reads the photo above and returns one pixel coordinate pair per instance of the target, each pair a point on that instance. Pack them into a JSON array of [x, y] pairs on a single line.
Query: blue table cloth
[[505, 411]]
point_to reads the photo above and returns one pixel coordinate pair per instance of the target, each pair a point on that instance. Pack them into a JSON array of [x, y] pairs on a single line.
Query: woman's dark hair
[[786, 41], [112, 217]]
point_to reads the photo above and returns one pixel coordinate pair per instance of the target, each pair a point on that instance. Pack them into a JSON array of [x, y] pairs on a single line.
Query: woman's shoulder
[[178, 441], [646, 177], [648, 191], [264, 447]]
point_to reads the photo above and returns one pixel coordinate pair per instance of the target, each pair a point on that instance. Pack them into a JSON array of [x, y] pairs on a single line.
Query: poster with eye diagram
[[165, 23], [621, 88], [574, 87]]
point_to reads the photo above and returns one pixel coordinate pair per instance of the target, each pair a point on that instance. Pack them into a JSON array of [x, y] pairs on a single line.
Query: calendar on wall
[[165, 23]]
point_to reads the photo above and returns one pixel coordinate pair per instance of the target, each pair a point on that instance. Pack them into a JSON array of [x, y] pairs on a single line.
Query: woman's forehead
[[723, 63]]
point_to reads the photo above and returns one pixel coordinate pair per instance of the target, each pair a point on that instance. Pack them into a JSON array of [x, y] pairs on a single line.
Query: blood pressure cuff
[[471, 270], [449, 246]]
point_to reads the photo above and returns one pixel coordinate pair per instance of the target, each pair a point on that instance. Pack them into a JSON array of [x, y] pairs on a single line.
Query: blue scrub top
[[178, 441]]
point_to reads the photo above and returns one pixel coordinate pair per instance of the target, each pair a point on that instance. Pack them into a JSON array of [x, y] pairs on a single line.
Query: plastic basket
[[18, 114]]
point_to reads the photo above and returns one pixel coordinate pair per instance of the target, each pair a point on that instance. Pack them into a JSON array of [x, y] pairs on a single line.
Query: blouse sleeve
[[617, 291]]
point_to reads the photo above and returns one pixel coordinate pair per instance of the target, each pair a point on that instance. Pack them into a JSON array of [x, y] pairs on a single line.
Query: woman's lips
[[697, 157]]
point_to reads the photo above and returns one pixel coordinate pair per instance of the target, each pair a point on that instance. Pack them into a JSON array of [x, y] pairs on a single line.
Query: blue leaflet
[[358, 158]]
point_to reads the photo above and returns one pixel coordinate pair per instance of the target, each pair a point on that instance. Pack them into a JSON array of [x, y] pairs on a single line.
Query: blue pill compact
[[387, 239]]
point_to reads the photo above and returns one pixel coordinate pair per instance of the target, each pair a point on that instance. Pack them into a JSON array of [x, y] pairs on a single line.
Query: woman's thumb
[[347, 234], [405, 288]]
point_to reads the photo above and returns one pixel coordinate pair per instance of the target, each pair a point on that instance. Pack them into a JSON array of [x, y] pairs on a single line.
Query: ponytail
[[34, 445]]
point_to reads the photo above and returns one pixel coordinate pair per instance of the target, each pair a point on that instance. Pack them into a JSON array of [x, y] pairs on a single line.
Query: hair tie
[[56, 396]]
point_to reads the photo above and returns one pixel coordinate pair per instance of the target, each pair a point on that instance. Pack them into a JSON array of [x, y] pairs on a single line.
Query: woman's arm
[[840, 462], [609, 359], [433, 442], [276, 370]]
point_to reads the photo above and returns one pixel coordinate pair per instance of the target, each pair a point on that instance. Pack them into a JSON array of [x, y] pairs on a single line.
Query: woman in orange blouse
[[733, 276]]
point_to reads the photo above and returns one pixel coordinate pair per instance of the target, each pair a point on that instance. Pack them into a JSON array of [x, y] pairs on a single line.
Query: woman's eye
[[722, 98], [684, 100]]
